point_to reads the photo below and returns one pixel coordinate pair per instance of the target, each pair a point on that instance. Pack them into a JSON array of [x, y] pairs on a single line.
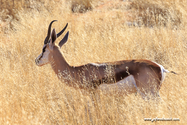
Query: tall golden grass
[[33, 95]]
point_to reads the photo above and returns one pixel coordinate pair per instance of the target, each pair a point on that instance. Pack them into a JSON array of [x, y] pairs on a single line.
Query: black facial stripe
[[44, 49], [41, 56]]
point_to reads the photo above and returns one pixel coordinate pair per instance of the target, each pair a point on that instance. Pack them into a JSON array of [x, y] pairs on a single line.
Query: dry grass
[[33, 95], [155, 13]]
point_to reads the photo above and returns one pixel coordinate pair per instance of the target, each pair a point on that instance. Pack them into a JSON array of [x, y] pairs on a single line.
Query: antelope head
[[49, 45]]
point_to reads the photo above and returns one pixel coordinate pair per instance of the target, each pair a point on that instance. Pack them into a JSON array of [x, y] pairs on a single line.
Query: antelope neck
[[59, 65]]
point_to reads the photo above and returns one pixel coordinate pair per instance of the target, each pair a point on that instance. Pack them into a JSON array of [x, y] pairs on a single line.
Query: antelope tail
[[173, 72], [166, 71]]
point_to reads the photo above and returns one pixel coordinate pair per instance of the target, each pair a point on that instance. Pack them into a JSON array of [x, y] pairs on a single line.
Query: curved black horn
[[49, 32], [62, 31]]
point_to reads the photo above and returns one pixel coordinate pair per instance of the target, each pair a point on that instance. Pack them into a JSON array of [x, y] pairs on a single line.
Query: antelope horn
[[49, 32], [62, 31]]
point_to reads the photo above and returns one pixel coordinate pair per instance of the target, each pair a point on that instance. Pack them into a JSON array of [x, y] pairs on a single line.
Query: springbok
[[142, 76]]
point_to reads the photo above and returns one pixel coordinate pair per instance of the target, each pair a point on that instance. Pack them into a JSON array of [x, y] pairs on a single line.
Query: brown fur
[[146, 73]]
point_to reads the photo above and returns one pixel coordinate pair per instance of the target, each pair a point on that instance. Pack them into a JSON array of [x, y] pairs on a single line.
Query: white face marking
[[42, 59]]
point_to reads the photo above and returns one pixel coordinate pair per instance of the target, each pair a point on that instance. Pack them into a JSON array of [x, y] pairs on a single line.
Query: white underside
[[125, 85]]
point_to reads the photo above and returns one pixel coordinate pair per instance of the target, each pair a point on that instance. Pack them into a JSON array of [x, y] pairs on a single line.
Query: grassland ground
[[33, 95]]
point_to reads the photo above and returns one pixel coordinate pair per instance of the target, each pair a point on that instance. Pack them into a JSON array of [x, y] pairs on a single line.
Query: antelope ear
[[64, 40], [53, 36], [52, 40]]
